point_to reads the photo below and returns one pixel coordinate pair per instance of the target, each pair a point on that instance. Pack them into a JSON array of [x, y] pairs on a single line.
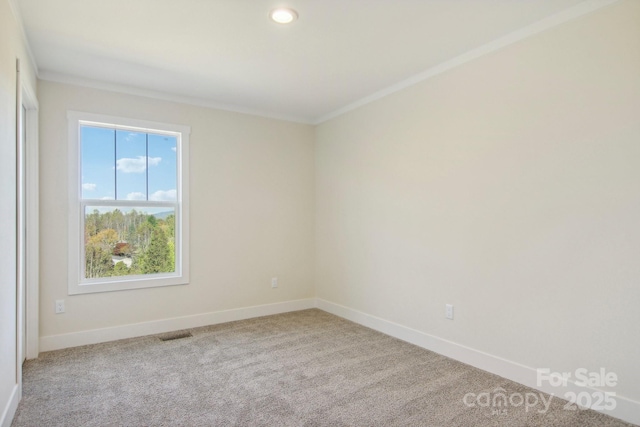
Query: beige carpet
[[307, 368]]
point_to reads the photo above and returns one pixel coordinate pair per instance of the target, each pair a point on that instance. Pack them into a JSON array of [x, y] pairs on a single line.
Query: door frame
[[27, 192]]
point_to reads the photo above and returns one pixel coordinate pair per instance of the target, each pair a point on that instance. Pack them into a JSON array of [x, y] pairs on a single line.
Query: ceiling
[[228, 54]]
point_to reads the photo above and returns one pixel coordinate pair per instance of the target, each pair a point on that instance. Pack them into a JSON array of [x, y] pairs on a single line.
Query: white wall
[[508, 187], [11, 48], [251, 182]]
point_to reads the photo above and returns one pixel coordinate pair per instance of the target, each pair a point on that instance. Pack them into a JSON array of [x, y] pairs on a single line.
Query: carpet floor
[[307, 368]]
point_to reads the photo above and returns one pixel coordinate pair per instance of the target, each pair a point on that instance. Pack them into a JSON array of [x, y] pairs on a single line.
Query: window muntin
[[127, 222]]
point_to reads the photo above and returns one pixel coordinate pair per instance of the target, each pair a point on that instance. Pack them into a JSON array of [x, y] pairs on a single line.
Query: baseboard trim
[[12, 405], [75, 339], [626, 409]]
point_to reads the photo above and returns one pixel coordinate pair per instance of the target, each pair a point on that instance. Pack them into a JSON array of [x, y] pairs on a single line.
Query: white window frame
[[78, 284]]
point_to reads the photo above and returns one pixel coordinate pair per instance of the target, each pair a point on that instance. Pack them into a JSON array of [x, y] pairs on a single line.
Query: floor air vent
[[174, 336]]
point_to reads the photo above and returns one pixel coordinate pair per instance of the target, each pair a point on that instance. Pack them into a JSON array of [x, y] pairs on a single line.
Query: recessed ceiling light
[[283, 15]]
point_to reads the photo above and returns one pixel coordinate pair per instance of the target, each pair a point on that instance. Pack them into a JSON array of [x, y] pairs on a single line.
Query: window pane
[[162, 176], [98, 160], [131, 165], [125, 241]]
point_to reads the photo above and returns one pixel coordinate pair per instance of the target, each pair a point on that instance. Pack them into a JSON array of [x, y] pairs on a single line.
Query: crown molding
[[538, 27], [164, 96], [552, 21]]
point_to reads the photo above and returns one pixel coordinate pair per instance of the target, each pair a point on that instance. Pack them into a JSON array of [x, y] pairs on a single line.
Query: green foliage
[[172, 252], [170, 222], [121, 269], [157, 258], [148, 243], [98, 261], [105, 239]]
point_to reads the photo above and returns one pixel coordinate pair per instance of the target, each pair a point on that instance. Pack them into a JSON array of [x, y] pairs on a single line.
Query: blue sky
[[114, 164]]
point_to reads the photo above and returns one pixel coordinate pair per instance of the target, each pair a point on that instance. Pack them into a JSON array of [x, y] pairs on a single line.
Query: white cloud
[[163, 196], [136, 195], [137, 165], [173, 148], [88, 186]]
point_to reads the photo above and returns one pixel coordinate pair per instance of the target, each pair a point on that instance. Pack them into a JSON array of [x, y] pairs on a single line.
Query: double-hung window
[[128, 210]]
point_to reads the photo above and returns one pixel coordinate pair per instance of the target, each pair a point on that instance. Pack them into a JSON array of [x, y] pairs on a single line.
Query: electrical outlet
[[59, 306], [448, 311], [274, 282]]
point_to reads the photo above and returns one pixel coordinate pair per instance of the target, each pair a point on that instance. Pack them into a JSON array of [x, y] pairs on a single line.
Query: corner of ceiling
[[15, 10], [544, 24]]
